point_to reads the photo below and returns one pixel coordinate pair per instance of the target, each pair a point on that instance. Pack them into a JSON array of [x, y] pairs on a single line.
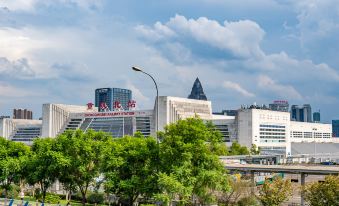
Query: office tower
[[316, 116], [335, 128], [279, 105], [197, 91], [110, 99], [22, 114], [301, 113]]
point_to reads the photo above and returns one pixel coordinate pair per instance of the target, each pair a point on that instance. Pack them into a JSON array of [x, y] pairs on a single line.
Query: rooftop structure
[[197, 91]]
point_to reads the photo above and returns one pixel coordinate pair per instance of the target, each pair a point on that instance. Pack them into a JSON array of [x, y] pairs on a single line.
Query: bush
[[248, 201], [96, 198], [52, 198]]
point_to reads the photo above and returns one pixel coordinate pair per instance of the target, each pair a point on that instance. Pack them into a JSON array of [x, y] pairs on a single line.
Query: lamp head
[[136, 69]]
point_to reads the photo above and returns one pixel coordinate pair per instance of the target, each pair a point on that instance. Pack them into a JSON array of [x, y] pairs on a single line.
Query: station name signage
[[110, 114]]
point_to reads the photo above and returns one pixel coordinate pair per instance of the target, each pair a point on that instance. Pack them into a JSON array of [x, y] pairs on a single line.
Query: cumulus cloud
[[317, 29], [236, 87], [283, 91], [19, 68], [241, 38]]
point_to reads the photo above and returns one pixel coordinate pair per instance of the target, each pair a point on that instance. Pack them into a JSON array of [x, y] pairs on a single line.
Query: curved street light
[[157, 99]]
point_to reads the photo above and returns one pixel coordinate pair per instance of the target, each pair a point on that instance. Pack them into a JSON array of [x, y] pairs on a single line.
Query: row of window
[[298, 134], [272, 126]]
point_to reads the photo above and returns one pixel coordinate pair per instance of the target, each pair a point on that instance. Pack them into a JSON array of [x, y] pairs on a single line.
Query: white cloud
[[19, 68], [236, 87], [30, 5], [283, 91], [241, 38]]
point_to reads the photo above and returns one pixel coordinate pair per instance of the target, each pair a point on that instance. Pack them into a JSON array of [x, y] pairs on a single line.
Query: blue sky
[[243, 51]]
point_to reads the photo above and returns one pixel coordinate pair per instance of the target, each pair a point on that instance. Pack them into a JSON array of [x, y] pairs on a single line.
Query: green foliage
[[323, 193], [276, 192], [84, 152], [96, 197], [254, 150], [13, 157], [190, 166], [52, 198], [11, 192], [45, 164], [248, 201], [237, 149], [130, 167], [238, 188]]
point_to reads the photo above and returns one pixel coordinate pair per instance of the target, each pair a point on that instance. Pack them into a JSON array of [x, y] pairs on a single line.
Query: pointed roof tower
[[197, 91]]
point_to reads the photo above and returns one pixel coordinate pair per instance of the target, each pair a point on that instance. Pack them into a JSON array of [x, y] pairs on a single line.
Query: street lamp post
[[157, 100]]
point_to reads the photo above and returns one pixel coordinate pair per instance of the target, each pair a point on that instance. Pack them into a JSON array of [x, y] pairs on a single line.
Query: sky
[[60, 51]]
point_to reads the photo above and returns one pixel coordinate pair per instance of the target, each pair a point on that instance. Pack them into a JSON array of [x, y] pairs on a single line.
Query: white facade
[[273, 131], [56, 116], [20, 130], [310, 132], [171, 109]]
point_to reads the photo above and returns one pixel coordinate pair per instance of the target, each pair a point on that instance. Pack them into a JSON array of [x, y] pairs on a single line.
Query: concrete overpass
[[293, 169]]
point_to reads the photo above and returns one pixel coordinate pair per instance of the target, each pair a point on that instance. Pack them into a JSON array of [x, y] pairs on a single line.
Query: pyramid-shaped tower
[[197, 91]]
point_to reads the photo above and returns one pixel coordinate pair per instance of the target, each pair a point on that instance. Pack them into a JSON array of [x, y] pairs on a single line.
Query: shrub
[[52, 198], [96, 198], [248, 201]]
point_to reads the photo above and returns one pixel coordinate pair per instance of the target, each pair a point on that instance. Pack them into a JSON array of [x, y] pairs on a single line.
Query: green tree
[[45, 164], [274, 193], [237, 149], [13, 156], [238, 189], [84, 151], [323, 193], [254, 150], [130, 167], [188, 158]]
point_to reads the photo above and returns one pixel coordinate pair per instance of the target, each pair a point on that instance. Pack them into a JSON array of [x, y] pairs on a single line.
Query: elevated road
[[303, 170], [294, 169]]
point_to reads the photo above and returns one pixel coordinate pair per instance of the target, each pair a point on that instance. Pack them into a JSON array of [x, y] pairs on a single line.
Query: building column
[[302, 181], [252, 183]]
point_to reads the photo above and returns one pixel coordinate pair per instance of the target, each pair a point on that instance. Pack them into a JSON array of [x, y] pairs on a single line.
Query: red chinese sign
[[90, 105], [131, 104]]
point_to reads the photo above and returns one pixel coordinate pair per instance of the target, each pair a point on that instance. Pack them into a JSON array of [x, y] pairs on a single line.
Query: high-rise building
[[335, 128], [301, 113], [316, 116], [109, 99], [279, 105], [22, 114], [197, 91]]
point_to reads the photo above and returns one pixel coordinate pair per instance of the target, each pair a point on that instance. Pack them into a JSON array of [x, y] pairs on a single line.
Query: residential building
[[113, 99], [22, 114]]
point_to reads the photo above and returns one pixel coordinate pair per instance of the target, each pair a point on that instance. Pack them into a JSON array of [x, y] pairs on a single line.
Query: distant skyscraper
[[112, 98], [22, 114], [316, 116], [335, 128], [279, 105], [301, 114], [197, 91]]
